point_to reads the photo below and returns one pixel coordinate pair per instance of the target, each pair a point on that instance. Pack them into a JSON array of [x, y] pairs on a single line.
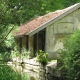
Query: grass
[[53, 61], [6, 73]]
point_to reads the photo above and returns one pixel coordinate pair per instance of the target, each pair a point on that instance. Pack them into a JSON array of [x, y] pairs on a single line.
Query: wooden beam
[[37, 44]]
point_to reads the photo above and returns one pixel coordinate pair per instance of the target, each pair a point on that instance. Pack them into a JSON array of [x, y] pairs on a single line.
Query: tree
[[69, 2]]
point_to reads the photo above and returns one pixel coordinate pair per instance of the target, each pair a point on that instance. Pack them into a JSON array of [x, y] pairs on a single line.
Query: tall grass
[[6, 73]]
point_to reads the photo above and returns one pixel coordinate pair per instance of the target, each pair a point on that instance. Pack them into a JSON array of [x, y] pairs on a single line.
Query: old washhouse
[[47, 32]]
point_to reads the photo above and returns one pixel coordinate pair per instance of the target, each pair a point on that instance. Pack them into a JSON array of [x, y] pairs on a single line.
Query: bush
[[25, 53], [43, 57], [70, 56]]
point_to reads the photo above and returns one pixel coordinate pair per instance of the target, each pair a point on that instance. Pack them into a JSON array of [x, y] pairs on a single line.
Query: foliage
[[43, 57], [5, 56], [19, 11], [25, 53], [70, 56], [8, 41], [14, 53], [6, 48], [7, 74], [70, 2]]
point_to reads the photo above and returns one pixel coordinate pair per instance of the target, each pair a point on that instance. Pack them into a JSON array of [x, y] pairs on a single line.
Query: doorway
[[39, 42]]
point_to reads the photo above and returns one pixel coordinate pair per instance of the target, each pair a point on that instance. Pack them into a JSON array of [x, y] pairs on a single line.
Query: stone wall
[[42, 72], [48, 72], [52, 73]]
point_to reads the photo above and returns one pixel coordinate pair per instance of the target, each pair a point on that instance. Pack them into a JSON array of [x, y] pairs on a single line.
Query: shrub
[[70, 56], [43, 57], [25, 53], [14, 53]]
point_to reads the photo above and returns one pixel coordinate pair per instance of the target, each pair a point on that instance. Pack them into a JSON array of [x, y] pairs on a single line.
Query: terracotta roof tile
[[26, 28]]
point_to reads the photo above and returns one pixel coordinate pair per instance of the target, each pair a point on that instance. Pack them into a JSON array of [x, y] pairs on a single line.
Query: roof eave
[[53, 20]]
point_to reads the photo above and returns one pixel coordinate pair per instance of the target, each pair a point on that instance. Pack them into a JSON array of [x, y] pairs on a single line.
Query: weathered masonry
[[47, 32]]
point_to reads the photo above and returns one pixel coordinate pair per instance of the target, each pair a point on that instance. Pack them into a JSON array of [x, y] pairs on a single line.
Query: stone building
[[47, 32]]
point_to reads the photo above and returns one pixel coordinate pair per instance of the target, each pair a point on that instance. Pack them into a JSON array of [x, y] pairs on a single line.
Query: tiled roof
[[32, 25]]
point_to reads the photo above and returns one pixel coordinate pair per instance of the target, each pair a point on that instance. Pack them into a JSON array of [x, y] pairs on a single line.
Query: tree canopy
[[20, 11]]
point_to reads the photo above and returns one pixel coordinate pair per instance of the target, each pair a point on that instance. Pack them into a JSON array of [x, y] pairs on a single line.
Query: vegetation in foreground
[[43, 57], [6, 73], [70, 57]]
